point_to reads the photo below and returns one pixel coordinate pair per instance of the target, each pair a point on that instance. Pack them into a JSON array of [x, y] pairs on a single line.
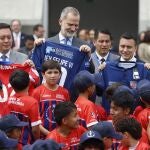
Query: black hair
[[104, 31], [110, 90], [29, 37], [19, 80], [123, 99], [5, 26], [130, 125], [36, 27], [50, 64], [92, 143], [129, 36], [62, 110], [145, 97]]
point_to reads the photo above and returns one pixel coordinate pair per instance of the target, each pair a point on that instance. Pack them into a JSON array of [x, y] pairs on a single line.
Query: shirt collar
[[100, 57], [16, 34], [62, 38], [7, 54], [133, 59]]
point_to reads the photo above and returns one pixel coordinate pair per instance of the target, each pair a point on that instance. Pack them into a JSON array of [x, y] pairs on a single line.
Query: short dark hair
[[110, 90], [29, 37], [123, 99], [62, 110], [36, 27], [50, 64], [103, 31], [19, 80], [92, 142], [5, 26], [130, 125], [129, 36]]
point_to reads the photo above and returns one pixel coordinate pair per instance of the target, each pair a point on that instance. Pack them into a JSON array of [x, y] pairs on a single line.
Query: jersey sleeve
[[36, 94], [34, 115], [91, 116]]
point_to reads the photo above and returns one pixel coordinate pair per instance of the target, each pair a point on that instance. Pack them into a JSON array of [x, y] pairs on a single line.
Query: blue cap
[[44, 145], [124, 88], [84, 79], [143, 86], [6, 142], [90, 135], [143, 89], [10, 121], [106, 129]]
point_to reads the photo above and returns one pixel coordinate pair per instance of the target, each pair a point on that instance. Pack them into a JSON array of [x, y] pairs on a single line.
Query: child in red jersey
[[68, 131], [122, 103], [49, 94], [132, 133], [143, 89], [84, 82], [24, 107]]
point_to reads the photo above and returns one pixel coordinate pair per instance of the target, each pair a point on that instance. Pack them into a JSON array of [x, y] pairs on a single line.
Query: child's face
[[52, 76], [117, 112], [14, 133], [72, 120]]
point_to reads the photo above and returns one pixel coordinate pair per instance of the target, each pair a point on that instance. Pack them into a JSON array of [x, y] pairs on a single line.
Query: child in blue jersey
[[49, 94]]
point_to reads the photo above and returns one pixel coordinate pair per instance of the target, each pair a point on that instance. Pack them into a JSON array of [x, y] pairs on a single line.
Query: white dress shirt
[[63, 39]]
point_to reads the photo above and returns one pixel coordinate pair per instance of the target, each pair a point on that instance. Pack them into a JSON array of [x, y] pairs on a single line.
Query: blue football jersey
[[70, 58]]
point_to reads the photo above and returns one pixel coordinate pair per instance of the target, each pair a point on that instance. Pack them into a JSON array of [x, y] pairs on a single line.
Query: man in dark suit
[[69, 25], [19, 37], [103, 44]]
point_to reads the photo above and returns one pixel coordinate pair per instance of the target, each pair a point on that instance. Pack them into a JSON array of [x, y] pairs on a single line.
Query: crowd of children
[[47, 119]]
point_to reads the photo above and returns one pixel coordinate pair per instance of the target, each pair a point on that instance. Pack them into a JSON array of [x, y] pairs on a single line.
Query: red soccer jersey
[[87, 112], [4, 110], [143, 117], [26, 109], [71, 141], [102, 114], [140, 146], [5, 72], [47, 101]]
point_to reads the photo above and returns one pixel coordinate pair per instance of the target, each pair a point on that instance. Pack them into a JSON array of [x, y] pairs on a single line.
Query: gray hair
[[68, 10]]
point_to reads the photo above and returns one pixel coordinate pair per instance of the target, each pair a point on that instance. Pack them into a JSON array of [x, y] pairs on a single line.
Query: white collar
[[100, 57], [7, 54], [16, 34], [61, 38], [133, 59]]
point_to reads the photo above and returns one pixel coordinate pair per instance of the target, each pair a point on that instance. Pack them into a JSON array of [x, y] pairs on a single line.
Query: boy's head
[[107, 132], [65, 114], [91, 140], [84, 81], [143, 88], [111, 89], [19, 80], [130, 128], [121, 104], [11, 125], [7, 143], [51, 71]]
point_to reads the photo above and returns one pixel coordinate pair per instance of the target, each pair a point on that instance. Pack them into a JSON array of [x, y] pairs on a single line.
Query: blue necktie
[[66, 40], [4, 57]]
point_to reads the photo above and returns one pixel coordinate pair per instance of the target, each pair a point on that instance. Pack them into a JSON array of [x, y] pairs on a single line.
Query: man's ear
[[60, 22]]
